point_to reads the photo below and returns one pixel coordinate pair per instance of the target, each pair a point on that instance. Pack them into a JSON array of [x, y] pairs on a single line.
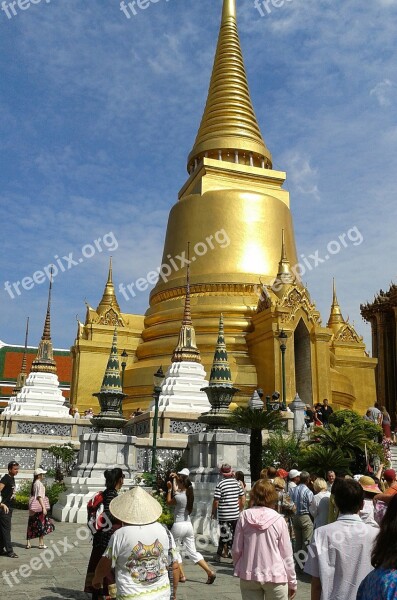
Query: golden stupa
[[236, 216]]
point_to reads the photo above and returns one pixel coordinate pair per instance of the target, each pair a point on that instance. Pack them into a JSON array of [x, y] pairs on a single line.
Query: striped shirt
[[227, 492], [302, 497]]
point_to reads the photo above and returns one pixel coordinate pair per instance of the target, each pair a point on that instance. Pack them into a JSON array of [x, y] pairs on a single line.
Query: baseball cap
[[184, 472], [40, 472], [389, 474], [293, 473], [282, 473]]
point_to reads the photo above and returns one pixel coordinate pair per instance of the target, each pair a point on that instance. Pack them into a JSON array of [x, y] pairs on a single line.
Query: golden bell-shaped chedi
[[235, 213], [232, 209]]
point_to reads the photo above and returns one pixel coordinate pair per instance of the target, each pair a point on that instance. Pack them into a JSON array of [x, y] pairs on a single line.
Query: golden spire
[[186, 349], [21, 379], [284, 274], [47, 324], [44, 361], [109, 295], [229, 130], [336, 319]]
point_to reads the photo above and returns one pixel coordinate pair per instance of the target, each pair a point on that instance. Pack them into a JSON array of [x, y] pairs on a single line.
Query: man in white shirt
[[293, 480], [330, 479], [340, 553], [375, 414]]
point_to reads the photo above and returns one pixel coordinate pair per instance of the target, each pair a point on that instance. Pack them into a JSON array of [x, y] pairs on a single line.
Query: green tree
[[255, 421], [64, 457], [282, 450]]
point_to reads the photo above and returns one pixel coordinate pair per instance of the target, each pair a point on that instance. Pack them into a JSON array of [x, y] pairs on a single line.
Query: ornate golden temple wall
[[90, 354]]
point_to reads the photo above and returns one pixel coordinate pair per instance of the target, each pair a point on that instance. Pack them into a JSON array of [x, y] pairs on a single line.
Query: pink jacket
[[262, 549]]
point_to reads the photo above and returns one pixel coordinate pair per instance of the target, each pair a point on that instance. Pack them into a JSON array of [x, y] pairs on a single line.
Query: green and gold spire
[[21, 379], [44, 361], [186, 349], [229, 129], [111, 383], [109, 298], [336, 320], [220, 372]]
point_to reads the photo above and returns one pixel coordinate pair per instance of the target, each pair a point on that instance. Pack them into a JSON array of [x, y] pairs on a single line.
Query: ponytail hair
[[35, 478], [112, 476], [190, 498]]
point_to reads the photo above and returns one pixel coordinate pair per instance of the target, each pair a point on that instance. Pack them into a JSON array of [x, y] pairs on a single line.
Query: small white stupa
[[185, 378], [40, 394]]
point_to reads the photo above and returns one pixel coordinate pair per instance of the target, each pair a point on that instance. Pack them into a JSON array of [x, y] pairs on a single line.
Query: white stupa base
[[98, 452], [181, 390], [39, 397]]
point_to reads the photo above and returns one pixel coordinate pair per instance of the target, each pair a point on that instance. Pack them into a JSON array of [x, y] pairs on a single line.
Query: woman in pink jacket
[[262, 551]]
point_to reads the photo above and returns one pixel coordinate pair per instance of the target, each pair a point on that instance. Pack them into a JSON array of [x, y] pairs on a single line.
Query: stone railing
[[27, 439]]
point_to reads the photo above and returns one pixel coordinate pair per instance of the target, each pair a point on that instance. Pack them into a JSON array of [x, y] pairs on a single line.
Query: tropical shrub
[[319, 459], [348, 436], [282, 450], [64, 459]]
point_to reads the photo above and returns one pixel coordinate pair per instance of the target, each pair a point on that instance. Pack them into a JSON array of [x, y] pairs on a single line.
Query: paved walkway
[[59, 572]]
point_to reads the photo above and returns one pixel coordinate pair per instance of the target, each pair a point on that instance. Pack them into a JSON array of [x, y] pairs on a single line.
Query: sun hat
[[226, 470], [282, 473], [184, 472], [369, 485], [136, 507], [389, 474], [40, 472], [293, 473]]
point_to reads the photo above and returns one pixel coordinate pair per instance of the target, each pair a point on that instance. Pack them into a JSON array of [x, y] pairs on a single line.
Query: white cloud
[[383, 92]]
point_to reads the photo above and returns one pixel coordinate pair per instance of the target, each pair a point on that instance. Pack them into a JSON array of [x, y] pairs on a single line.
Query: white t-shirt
[[139, 555], [340, 555]]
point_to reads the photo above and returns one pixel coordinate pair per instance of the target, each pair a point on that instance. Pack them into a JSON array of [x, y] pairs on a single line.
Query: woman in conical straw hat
[[140, 551]]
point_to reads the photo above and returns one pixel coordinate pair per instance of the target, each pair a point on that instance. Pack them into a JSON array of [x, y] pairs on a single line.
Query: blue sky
[[99, 112]]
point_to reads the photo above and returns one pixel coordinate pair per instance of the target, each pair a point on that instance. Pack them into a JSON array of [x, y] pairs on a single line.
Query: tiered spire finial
[[229, 129], [111, 383], [47, 323], [21, 379], [220, 372], [44, 361], [111, 396], [186, 349], [109, 298], [336, 319]]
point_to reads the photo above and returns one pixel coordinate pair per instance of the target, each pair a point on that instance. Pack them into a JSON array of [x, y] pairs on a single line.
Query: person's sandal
[[211, 579], [28, 547], [43, 547]]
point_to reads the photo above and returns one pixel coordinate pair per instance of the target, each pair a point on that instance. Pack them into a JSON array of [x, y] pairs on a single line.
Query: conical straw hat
[[136, 507]]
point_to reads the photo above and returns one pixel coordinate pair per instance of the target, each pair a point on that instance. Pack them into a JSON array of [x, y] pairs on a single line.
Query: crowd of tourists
[[340, 530]]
